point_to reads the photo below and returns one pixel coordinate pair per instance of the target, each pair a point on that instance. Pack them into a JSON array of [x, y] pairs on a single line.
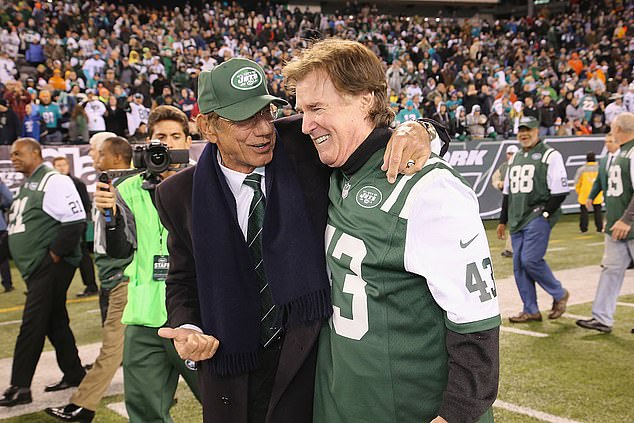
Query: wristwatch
[[545, 214]]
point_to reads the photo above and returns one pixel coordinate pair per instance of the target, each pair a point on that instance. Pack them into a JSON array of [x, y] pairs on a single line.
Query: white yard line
[[94, 310], [532, 413], [625, 304], [557, 249], [592, 244], [523, 332], [10, 322]]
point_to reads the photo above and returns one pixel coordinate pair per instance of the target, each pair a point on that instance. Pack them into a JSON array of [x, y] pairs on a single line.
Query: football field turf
[[568, 376]]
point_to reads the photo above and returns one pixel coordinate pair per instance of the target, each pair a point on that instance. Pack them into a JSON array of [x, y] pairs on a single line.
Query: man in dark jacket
[[249, 372], [9, 124]]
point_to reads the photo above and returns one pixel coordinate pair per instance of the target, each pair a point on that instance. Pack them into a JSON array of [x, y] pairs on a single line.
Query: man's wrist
[[429, 128]]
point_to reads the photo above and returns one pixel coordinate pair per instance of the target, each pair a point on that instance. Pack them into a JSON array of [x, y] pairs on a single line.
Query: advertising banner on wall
[[475, 160]]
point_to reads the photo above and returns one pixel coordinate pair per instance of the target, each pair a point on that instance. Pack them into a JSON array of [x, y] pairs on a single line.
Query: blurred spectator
[[78, 125], [614, 109], [116, 118], [9, 124], [32, 125], [548, 116], [476, 123], [137, 113], [8, 70], [442, 116], [51, 114], [500, 126], [6, 198], [408, 113], [95, 110]]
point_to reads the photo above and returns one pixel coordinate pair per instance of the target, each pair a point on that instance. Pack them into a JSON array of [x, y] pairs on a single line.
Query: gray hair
[[625, 121]]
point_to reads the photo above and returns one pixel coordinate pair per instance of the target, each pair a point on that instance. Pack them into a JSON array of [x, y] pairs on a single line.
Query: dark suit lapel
[[298, 344]]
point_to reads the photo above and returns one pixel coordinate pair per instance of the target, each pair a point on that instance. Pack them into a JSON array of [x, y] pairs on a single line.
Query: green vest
[[31, 230], [383, 356], [619, 191], [528, 186], [146, 296]]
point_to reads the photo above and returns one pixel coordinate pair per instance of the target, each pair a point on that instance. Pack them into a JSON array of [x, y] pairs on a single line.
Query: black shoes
[[60, 386], [507, 253], [71, 413], [8, 289], [88, 292], [594, 324], [15, 396]]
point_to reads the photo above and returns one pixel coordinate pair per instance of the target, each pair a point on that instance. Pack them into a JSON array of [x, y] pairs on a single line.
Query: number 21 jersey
[[46, 201]]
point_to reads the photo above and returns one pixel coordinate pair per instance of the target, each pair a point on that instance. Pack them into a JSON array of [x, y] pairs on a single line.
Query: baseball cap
[[235, 90], [528, 122], [512, 149], [138, 95]]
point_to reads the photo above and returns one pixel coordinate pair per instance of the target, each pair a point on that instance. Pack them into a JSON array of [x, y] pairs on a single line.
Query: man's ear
[[367, 101], [207, 130]]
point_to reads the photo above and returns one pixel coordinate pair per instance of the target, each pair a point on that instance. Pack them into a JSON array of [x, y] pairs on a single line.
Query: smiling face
[[337, 123], [24, 158], [528, 137], [243, 145]]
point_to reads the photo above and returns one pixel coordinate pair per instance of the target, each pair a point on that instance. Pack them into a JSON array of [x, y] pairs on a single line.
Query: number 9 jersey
[[532, 177], [408, 262]]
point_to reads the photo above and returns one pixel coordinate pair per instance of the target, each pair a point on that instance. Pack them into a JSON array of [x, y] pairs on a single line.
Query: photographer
[[151, 365]]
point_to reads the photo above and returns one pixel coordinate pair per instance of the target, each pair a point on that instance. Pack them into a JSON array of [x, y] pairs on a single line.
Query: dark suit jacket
[[601, 183], [225, 398]]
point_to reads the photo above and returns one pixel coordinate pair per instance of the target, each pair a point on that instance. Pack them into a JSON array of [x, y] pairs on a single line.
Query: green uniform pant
[[151, 367]]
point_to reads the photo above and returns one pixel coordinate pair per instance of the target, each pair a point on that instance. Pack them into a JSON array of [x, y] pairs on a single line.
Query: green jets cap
[[528, 122], [235, 90]]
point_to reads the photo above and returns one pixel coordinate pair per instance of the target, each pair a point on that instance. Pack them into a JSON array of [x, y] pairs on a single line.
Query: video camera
[[157, 158]]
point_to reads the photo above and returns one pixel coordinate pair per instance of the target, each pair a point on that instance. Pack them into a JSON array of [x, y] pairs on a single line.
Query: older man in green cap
[[247, 289], [534, 188]]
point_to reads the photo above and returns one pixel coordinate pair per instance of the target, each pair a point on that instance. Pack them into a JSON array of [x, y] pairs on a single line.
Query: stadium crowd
[[71, 69]]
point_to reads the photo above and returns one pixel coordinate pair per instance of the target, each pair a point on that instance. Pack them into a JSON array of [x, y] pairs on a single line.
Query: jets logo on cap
[[369, 197], [246, 79]]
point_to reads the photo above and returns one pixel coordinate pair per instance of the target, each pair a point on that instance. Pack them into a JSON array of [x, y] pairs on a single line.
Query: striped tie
[[268, 331]]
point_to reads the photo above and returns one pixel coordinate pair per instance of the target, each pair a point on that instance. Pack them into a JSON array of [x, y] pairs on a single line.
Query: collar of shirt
[[242, 193]]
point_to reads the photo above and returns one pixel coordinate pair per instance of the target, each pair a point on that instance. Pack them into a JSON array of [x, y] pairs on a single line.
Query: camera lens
[[158, 158]]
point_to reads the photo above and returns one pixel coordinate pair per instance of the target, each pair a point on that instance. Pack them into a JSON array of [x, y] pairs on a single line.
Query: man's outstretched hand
[[191, 344]]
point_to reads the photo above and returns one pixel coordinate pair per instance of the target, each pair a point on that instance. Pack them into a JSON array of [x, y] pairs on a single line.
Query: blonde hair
[[353, 69]]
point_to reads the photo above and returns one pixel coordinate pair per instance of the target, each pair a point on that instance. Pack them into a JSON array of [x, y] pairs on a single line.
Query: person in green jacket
[[151, 365]]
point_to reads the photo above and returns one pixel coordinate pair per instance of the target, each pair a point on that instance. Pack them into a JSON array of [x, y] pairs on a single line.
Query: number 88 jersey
[[408, 262], [532, 177]]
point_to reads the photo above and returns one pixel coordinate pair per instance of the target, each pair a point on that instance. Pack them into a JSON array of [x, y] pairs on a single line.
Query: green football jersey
[[46, 201], [620, 190], [408, 262], [533, 176]]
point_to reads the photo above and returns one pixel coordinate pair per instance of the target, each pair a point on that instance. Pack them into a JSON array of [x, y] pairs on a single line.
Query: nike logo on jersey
[[466, 244]]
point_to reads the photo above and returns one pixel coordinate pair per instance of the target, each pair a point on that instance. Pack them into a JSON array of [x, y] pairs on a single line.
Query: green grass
[[575, 252], [573, 373]]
